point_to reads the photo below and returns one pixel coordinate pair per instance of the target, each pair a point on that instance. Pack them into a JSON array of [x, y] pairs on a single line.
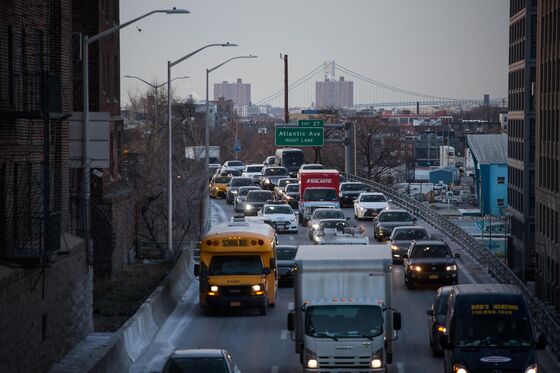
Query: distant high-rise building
[[521, 136], [547, 155], [239, 93], [334, 93]]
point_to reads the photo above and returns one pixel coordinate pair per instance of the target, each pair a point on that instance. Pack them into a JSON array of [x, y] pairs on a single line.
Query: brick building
[[112, 202], [548, 154], [45, 299]]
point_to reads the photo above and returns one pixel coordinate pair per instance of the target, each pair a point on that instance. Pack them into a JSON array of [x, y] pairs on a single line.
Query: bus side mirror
[[430, 312], [272, 263], [541, 343], [444, 342], [197, 269], [266, 271], [291, 326], [397, 321]]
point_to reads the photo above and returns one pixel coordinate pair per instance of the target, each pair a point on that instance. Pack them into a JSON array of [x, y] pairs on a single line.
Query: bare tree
[[145, 165], [378, 150]]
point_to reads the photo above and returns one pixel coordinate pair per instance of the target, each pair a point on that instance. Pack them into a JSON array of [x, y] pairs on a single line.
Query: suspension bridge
[[320, 88]]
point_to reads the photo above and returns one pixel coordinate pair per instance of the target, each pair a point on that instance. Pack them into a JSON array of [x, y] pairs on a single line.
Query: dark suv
[[255, 200], [430, 262]]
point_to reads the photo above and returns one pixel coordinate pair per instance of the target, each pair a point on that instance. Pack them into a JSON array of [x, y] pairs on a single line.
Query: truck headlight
[[310, 359], [394, 247], [452, 267], [377, 359], [531, 368], [458, 368]]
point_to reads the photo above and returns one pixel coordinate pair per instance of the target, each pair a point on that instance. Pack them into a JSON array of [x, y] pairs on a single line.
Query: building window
[[500, 202], [501, 179]]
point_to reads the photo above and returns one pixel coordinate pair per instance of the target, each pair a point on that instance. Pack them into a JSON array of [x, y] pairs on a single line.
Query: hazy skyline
[[448, 48]]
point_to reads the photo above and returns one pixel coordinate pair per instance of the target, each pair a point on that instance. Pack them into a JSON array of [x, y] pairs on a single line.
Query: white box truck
[[343, 318]]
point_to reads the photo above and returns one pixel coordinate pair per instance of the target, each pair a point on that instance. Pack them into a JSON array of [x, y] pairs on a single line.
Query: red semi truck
[[317, 188]]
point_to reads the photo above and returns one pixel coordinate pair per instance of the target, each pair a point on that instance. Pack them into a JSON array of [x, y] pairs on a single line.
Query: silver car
[[239, 201]]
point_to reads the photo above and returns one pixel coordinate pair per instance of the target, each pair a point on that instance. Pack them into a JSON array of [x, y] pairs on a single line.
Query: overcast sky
[[447, 48]]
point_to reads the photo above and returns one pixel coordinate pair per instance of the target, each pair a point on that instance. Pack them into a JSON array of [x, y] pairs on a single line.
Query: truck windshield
[[292, 159], [343, 321], [236, 265], [320, 195], [492, 331]]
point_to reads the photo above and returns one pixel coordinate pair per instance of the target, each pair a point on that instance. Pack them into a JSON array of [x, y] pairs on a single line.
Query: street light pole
[[86, 41], [207, 117], [170, 142]]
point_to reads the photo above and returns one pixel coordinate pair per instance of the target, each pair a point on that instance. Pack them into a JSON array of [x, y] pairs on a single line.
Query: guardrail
[[545, 321]]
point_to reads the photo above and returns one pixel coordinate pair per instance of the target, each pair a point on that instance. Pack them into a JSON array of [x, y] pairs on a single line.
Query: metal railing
[[544, 320]]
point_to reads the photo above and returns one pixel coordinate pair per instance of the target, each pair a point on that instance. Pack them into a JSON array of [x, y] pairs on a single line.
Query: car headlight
[[441, 329], [394, 247], [452, 267], [362, 208], [267, 181], [417, 268], [315, 225], [531, 368], [248, 207], [458, 368]]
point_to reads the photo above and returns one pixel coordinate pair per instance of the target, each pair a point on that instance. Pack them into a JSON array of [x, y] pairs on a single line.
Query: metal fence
[[544, 320]]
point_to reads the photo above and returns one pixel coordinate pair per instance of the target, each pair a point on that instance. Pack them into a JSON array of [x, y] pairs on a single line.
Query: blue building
[[489, 153], [447, 175]]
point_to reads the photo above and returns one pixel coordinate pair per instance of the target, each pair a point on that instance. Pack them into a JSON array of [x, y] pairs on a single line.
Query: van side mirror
[[291, 325], [457, 256], [541, 342], [397, 321], [197, 269], [430, 312], [266, 271], [444, 342]]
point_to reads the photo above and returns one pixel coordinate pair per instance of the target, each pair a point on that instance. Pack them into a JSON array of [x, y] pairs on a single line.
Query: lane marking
[[284, 334], [290, 306], [400, 367], [274, 369]]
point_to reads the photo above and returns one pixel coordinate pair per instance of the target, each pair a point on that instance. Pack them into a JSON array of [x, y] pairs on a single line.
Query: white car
[[236, 165], [253, 171], [280, 216], [369, 205]]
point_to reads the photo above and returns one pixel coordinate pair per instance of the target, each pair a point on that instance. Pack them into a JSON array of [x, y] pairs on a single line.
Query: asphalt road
[[261, 344]]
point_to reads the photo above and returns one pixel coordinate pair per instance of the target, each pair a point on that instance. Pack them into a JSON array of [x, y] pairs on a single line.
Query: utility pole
[[286, 112]]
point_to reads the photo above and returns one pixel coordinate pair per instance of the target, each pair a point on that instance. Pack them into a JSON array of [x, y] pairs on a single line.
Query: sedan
[[437, 319], [233, 186], [200, 361], [369, 205], [239, 201], [349, 191], [291, 195], [286, 263], [402, 237], [384, 223], [280, 216], [255, 200], [430, 262], [271, 175]]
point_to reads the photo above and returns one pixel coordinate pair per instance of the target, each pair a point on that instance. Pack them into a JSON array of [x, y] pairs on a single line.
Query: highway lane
[[262, 344]]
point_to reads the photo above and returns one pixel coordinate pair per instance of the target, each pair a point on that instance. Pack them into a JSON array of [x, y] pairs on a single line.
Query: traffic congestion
[[349, 281]]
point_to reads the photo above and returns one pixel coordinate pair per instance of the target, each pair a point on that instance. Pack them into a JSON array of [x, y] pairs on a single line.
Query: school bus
[[238, 266]]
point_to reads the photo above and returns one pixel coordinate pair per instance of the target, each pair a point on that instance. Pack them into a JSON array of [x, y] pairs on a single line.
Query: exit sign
[[299, 136], [318, 123]]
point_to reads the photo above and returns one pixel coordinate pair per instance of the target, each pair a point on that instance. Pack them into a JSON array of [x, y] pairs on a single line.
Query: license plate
[[235, 304], [433, 277]]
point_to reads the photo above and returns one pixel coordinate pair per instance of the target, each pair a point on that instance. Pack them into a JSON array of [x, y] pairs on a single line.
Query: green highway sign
[[299, 136], [310, 123]]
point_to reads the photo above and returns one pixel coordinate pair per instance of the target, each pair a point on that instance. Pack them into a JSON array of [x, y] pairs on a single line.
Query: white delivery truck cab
[[343, 318]]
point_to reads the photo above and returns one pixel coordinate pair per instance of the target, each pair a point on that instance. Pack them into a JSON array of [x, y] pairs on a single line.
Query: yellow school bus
[[238, 266]]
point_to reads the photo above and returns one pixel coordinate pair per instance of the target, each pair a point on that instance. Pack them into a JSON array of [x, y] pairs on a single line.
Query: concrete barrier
[[120, 349]]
